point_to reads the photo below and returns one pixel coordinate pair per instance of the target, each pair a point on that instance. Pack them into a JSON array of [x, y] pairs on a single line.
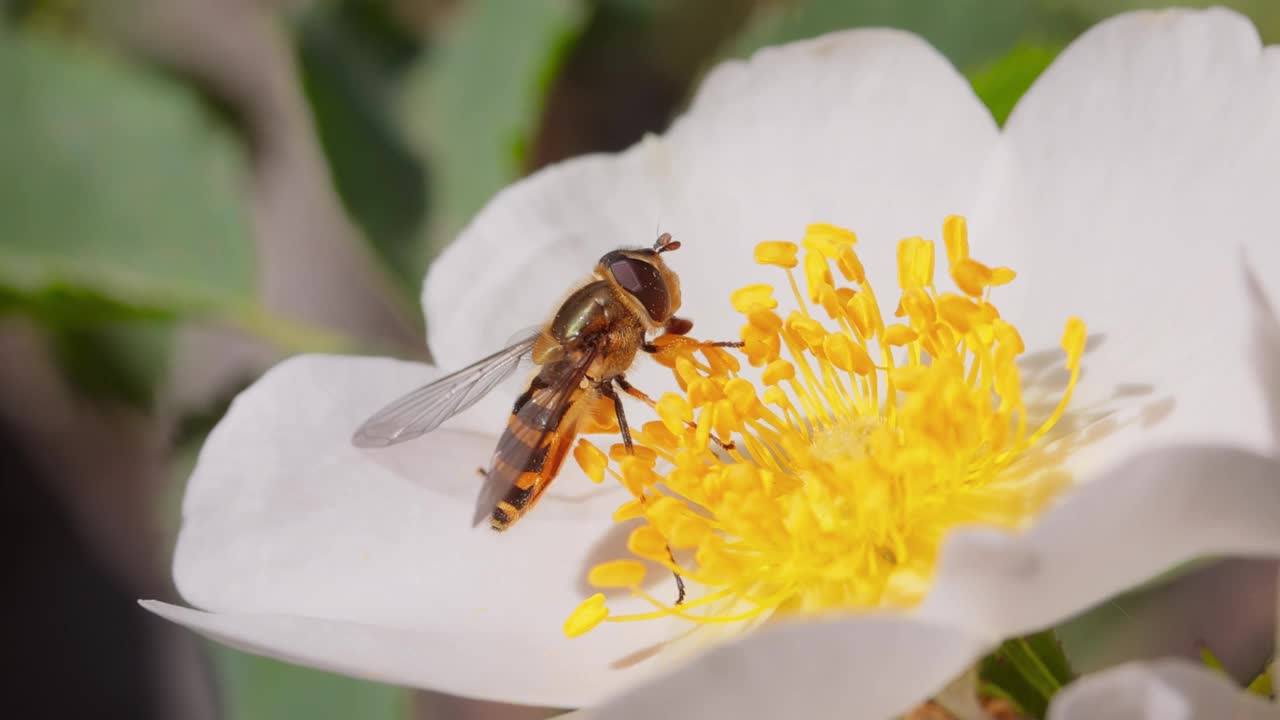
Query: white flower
[[1170, 689], [1133, 186], [1161, 690]]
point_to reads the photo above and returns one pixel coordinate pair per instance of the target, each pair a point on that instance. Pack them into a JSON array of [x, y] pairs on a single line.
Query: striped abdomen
[[539, 435]]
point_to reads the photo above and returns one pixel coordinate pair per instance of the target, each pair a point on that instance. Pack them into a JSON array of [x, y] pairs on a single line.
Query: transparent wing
[[424, 409], [525, 362]]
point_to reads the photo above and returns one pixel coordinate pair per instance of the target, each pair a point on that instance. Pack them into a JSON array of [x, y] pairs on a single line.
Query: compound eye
[[643, 281]]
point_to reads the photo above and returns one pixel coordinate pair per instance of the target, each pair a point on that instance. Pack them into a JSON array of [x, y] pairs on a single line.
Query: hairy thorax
[[593, 319]]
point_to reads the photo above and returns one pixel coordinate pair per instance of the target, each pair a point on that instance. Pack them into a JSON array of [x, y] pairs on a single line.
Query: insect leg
[[640, 395], [635, 392], [679, 580], [606, 389], [654, 349]]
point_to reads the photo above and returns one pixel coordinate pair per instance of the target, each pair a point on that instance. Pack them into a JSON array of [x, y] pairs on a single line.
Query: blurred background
[[191, 190]]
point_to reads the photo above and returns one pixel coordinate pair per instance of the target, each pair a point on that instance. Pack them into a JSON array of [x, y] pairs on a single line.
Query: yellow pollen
[[592, 461], [589, 614], [831, 481], [780, 253], [617, 574]]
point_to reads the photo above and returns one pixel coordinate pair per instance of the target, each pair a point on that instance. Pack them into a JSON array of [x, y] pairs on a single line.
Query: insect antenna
[[664, 243]]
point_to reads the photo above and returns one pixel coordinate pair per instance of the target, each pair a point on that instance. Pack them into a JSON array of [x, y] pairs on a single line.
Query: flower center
[[861, 444]]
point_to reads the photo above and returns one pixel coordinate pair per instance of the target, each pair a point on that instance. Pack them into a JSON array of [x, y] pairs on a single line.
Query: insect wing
[[424, 409], [540, 422]]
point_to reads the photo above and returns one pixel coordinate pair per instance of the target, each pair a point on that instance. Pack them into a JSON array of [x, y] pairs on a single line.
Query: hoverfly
[[582, 354]]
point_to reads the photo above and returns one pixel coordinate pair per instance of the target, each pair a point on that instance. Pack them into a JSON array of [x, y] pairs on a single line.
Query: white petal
[[534, 242], [1134, 175], [284, 520], [869, 128], [277, 529], [1137, 180], [868, 667], [1164, 690], [480, 665], [1139, 518]]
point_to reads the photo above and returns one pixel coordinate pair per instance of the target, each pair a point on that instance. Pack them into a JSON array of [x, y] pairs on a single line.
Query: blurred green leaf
[[57, 305], [120, 362], [1002, 83], [107, 350], [1262, 684], [1211, 660], [256, 688], [478, 99], [353, 57], [1264, 13], [968, 32], [1027, 671], [116, 180], [124, 211]]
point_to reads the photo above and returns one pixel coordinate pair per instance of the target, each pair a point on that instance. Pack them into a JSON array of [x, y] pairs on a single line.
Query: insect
[[582, 356]]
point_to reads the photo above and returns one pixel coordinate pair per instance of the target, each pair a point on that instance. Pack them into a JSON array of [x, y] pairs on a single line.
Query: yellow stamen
[[865, 443], [780, 253], [592, 461], [753, 298], [617, 574], [589, 614]]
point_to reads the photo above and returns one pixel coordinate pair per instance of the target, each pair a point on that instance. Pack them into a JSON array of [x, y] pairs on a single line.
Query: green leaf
[[109, 351], [118, 362], [1002, 83], [1211, 660], [353, 58], [1127, 624], [1047, 650], [1262, 684], [479, 98], [969, 32], [124, 212], [116, 352], [117, 181], [1265, 14], [1027, 671], [256, 688]]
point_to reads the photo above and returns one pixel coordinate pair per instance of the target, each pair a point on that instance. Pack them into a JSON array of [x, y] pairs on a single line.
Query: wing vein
[[423, 410]]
